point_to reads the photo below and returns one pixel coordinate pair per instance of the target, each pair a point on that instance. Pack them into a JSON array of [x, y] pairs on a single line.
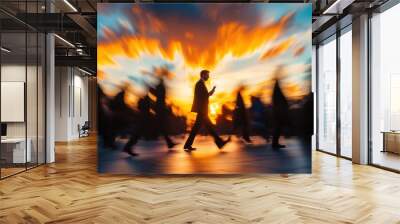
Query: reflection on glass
[[327, 97], [385, 84], [346, 94], [31, 101], [23, 90], [14, 150]]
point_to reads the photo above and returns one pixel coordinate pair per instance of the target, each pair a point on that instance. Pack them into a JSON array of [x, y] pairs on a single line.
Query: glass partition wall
[[345, 61], [327, 95], [334, 85], [385, 89], [22, 77]]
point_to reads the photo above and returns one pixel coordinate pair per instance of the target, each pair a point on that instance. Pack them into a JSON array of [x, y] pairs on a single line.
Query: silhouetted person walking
[[118, 111], [142, 127], [200, 106], [308, 122], [161, 111], [105, 127], [240, 118], [280, 111], [258, 120]]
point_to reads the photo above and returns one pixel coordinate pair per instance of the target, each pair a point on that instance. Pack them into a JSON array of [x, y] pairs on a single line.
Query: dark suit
[[280, 110], [142, 127], [200, 102], [200, 106], [161, 111], [240, 117]]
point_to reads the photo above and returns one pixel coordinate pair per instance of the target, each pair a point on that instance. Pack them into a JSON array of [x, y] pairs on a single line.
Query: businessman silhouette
[[280, 110], [161, 111], [200, 106]]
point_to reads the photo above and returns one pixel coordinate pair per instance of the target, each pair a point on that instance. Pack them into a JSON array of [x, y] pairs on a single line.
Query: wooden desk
[[391, 141], [16, 147]]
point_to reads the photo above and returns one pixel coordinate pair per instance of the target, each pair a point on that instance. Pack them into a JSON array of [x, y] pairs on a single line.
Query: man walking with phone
[[200, 106]]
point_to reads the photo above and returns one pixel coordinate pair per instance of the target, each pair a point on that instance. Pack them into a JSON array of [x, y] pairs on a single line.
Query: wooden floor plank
[[71, 191]]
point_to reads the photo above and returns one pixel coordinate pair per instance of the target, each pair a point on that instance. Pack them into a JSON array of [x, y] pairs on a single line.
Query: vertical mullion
[[0, 95], [369, 96], [45, 95], [26, 86], [317, 96], [338, 92], [45, 86], [37, 88], [73, 92]]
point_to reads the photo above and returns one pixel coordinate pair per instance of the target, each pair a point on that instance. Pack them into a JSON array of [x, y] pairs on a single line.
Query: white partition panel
[[12, 101]]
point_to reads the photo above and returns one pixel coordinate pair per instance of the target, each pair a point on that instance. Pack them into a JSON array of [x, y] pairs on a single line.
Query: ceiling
[[75, 22]]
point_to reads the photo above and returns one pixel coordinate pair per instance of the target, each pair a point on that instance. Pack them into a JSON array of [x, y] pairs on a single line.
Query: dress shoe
[[189, 148], [223, 143], [248, 140], [129, 151], [278, 146], [172, 144]]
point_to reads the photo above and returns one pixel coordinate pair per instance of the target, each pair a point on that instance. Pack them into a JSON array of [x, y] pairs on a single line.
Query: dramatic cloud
[[279, 49], [238, 43], [202, 44]]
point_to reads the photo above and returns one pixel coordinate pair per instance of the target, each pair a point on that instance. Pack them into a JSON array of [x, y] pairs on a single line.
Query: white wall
[[33, 127], [61, 115], [12, 73], [71, 102]]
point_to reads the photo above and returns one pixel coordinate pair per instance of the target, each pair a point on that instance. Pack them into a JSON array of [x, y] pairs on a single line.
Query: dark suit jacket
[[280, 105], [200, 102]]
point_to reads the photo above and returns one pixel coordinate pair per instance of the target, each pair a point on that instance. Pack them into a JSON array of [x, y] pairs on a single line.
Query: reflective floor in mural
[[236, 157]]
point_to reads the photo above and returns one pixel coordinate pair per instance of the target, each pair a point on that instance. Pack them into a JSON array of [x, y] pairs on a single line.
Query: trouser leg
[[210, 128], [194, 130]]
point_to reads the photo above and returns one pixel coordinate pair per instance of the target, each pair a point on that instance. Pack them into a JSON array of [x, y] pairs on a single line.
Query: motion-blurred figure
[[308, 113], [280, 111], [105, 119], [118, 115], [200, 106], [240, 116], [258, 121], [161, 111], [142, 125]]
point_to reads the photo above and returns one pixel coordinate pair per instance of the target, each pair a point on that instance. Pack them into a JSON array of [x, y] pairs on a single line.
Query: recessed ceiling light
[[84, 71], [5, 50], [64, 40], [70, 5]]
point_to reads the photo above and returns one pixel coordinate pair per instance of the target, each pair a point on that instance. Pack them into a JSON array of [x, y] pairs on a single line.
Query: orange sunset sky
[[241, 44]]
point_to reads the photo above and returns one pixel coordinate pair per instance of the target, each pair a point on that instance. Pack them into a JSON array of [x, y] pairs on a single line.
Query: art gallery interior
[[49, 121]]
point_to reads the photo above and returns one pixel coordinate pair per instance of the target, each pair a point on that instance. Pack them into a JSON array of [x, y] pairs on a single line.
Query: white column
[[360, 90], [50, 99], [50, 92]]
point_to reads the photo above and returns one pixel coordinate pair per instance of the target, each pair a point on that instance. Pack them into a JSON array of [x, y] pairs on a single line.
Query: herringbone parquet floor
[[71, 191]]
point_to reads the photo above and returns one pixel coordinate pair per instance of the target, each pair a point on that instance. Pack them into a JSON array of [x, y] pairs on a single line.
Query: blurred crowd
[[152, 118]]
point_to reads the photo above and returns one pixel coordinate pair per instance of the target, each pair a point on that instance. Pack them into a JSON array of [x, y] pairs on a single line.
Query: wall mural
[[204, 88]]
